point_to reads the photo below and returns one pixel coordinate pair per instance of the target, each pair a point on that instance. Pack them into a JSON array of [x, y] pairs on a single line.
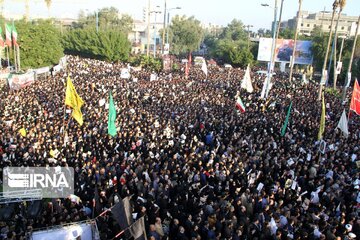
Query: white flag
[[343, 124], [304, 80], [204, 68], [246, 82]]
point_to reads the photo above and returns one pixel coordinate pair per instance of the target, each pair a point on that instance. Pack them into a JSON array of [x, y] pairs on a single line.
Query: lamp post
[[265, 90], [340, 55], [295, 39], [148, 30], [156, 12], [97, 20], [248, 27], [163, 32], [168, 22]]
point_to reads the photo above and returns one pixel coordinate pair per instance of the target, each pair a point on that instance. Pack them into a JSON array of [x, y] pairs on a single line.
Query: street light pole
[[155, 35], [295, 39], [265, 91], [168, 22], [148, 30], [340, 55], [248, 27], [163, 32], [167, 27], [97, 20]]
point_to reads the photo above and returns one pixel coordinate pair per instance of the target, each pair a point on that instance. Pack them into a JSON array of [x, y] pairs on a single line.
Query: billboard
[[284, 49], [17, 82]]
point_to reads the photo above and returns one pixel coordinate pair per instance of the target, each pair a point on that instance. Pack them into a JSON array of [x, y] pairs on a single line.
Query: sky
[[250, 12]]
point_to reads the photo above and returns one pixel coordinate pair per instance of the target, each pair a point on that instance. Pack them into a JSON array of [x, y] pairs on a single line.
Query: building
[[308, 21], [139, 34]]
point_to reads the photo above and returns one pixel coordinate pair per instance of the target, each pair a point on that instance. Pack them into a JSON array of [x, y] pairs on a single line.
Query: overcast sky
[[208, 11]]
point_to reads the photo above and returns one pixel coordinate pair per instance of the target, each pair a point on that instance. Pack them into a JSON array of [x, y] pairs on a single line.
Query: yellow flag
[[52, 154], [73, 100], [22, 131], [322, 120]]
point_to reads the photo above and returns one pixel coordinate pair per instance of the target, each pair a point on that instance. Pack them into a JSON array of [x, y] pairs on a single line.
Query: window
[[342, 28], [308, 25], [302, 24]]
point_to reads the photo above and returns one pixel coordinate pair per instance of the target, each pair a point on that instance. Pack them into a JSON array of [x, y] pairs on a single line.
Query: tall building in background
[[308, 21]]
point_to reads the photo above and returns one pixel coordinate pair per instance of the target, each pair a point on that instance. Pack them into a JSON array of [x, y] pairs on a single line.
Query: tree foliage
[[185, 34], [154, 64], [231, 46], [108, 45], [40, 43], [109, 18]]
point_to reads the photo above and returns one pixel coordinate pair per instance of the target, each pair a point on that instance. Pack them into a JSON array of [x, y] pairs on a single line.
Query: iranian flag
[[8, 35], [14, 36], [240, 105], [1, 38]]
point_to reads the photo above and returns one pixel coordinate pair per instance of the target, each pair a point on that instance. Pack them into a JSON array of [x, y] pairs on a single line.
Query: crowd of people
[[193, 166]]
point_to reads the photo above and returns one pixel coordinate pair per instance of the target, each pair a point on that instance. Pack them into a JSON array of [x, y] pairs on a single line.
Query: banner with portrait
[[284, 49]]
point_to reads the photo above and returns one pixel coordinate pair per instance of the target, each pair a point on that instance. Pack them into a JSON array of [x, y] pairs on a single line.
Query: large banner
[[284, 49], [17, 82], [75, 231]]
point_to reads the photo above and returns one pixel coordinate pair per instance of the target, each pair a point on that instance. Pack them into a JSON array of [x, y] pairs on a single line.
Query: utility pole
[[148, 30], [351, 60], [295, 40], [340, 54], [163, 32], [248, 29]]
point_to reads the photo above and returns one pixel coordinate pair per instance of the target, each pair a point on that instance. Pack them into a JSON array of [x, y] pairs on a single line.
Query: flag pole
[[18, 56], [7, 54], [15, 59]]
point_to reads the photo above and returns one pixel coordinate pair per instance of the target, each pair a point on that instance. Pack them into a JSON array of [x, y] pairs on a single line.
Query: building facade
[[309, 21]]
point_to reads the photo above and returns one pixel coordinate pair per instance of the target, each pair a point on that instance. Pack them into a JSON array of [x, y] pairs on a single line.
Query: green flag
[[112, 117], [283, 129]]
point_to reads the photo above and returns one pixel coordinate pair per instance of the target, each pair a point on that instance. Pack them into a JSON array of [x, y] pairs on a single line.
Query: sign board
[[167, 63], [284, 49], [57, 69], [166, 48], [42, 70], [17, 82], [4, 73], [125, 73], [153, 77], [63, 62], [338, 67]]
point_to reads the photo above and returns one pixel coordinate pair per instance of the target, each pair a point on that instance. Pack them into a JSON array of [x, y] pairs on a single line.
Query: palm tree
[[335, 6], [342, 4], [48, 5]]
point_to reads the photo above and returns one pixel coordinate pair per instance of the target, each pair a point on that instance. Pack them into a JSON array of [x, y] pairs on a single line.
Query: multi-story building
[[308, 21], [138, 36]]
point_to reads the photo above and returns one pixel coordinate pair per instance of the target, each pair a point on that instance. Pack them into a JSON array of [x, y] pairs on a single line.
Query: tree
[[232, 45], [40, 43], [185, 34], [262, 32], [234, 31], [109, 18], [109, 45]]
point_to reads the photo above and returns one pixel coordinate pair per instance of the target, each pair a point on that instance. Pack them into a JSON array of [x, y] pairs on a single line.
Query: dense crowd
[[194, 167]]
